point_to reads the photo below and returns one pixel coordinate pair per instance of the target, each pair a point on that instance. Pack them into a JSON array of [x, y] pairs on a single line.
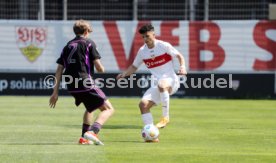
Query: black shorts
[[91, 99]]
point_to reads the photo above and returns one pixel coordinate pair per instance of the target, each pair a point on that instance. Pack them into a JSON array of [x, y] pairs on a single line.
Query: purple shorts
[[91, 99]]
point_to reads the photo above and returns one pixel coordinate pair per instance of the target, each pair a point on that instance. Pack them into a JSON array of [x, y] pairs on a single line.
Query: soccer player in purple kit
[[77, 60]]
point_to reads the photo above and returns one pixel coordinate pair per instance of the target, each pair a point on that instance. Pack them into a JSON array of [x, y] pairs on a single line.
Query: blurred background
[[228, 41], [135, 9]]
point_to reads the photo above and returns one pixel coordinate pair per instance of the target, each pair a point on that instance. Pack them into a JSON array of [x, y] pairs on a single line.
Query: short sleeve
[[171, 50], [138, 60], [60, 60], [93, 51]]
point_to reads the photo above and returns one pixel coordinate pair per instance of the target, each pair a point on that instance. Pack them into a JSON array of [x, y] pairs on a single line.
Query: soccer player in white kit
[[157, 55]]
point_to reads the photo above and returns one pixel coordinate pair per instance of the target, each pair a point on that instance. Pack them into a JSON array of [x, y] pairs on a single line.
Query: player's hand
[[120, 76], [182, 71], [53, 100]]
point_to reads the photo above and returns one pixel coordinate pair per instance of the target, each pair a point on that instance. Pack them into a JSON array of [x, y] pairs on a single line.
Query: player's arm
[[54, 96], [175, 53], [182, 68], [130, 70], [98, 65], [95, 57]]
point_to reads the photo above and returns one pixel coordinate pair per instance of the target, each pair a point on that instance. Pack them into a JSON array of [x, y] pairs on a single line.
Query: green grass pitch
[[201, 130]]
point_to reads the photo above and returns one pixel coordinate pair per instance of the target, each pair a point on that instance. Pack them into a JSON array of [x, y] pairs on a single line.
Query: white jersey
[[158, 59]]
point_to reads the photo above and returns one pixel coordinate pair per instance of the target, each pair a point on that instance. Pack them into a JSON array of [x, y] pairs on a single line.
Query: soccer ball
[[150, 132]]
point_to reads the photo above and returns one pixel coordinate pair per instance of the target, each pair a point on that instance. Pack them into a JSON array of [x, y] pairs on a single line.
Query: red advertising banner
[[213, 46]]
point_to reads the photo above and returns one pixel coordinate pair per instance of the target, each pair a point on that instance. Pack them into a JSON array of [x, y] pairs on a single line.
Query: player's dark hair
[[81, 26], [146, 28]]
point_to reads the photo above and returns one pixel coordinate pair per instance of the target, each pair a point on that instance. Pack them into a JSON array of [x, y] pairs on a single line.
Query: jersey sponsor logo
[[31, 41], [157, 61]]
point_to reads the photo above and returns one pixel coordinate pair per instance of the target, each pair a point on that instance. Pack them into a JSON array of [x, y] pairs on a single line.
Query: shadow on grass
[[121, 127], [125, 141], [108, 126], [57, 144], [39, 143]]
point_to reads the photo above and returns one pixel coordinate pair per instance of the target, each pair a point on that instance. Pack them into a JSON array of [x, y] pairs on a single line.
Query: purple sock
[[96, 127], [85, 128]]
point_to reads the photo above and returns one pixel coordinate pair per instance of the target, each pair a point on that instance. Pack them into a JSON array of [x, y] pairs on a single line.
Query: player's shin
[[96, 127], [165, 101], [147, 118], [85, 128]]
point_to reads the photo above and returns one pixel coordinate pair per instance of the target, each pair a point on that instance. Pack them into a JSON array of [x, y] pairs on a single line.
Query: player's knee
[[163, 83], [163, 87], [143, 107], [111, 110], [169, 89], [107, 107]]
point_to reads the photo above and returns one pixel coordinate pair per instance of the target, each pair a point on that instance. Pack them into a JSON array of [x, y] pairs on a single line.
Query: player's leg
[[93, 100], [145, 106], [150, 98], [87, 121], [147, 118], [106, 112], [164, 86], [87, 118]]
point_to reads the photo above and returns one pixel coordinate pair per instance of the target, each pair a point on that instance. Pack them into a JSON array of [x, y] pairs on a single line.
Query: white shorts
[[153, 93]]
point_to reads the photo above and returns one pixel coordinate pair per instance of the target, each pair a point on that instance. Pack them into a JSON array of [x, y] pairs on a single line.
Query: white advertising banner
[[216, 46]]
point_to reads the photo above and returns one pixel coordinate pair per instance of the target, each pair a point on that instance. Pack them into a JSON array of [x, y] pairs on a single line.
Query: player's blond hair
[[81, 26]]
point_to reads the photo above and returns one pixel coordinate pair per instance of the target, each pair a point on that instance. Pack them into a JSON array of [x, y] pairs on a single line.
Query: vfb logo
[[31, 41]]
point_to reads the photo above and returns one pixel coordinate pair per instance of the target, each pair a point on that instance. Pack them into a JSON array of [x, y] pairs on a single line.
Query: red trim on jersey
[[157, 61]]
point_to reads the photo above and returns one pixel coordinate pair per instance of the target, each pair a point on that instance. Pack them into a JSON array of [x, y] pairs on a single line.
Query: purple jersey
[[77, 58]]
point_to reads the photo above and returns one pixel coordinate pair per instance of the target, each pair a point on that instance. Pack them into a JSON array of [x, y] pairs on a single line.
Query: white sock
[[147, 118], [165, 101]]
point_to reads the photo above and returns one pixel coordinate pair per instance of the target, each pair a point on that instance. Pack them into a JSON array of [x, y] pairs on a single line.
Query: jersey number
[[73, 48]]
